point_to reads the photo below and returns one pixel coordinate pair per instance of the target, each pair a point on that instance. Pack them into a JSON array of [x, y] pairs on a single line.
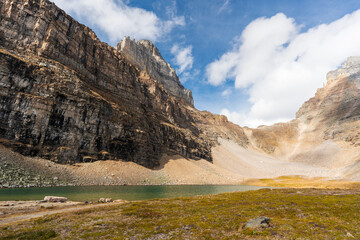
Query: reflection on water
[[93, 193]]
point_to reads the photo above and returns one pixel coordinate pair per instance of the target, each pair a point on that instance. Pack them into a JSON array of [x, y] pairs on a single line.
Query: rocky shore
[[13, 176]]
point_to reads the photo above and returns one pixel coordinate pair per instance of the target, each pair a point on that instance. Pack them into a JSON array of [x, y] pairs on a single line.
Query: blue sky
[[255, 61]]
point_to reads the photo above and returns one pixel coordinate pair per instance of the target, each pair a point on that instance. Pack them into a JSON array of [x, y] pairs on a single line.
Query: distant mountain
[[326, 131]]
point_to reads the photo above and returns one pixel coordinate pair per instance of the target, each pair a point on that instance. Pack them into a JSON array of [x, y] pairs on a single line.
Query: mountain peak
[[146, 56], [349, 69], [351, 62]]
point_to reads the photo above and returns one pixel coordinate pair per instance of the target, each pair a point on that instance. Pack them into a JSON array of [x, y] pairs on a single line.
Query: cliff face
[[68, 97], [145, 55], [336, 107]]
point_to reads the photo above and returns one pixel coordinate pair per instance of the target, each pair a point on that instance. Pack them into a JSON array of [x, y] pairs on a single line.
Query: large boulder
[[105, 200], [55, 199], [260, 222]]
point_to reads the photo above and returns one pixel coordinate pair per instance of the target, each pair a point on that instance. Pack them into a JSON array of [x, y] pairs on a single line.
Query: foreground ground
[[294, 214]]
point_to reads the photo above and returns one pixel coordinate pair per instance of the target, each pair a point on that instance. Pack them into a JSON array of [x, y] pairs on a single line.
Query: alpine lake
[[130, 193]]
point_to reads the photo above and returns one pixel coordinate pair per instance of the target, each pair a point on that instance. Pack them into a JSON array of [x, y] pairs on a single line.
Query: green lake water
[[93, 193]]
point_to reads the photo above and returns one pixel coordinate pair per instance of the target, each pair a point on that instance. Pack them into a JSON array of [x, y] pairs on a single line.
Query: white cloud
[[117, 19], [183, 59], [171, 11], [245, 120], [281, 67], [226, 92]]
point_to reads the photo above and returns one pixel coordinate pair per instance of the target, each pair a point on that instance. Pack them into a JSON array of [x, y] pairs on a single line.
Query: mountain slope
[[326, 131]]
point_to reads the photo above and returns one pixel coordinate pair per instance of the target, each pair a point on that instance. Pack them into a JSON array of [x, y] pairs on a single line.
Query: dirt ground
[[15, 211]]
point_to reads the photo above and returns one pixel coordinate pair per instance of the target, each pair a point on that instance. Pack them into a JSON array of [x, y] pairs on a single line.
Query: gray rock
[[189, 227], [146, 56], [43, 64], [105, 200], [260, 222], [55, 199]]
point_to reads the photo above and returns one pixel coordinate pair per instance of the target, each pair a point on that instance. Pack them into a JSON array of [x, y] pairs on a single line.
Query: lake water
[[93, 193]]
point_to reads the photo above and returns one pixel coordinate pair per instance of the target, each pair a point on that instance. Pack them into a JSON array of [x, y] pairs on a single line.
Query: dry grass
[[303, 182], [294, 214]]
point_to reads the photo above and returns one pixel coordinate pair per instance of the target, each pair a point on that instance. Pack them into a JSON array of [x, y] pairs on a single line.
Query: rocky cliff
[[146, 56], [68, 97], [336, 107]]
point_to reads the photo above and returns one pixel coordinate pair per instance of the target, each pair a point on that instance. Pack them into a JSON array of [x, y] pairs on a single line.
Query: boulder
[[105, 200], [55, 199], [260, 222]]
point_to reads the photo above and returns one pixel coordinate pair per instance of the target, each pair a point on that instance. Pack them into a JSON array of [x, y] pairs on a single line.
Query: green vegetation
[[294, 214], [39, 235]]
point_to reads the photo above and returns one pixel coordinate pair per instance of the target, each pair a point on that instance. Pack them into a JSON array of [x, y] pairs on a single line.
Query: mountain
[[323, 140], [83, 111], [75, 99]]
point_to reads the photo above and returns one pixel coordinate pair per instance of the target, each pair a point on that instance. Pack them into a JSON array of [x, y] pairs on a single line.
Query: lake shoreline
[[134, 192]]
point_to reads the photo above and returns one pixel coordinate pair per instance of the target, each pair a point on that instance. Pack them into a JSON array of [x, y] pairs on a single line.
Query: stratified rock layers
[[145, 55], [68, 97]]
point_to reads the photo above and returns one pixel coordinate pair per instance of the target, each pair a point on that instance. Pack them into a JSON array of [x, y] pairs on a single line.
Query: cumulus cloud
[[280, 66], [184, 59], [117, 20]]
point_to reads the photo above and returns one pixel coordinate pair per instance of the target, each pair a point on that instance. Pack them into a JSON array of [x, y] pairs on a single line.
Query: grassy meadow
[[294, 214]]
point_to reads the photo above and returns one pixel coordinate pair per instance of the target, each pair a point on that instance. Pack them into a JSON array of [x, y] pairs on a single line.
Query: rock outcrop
[[260, 222], [146, 56], [55, 199], [68, 97]]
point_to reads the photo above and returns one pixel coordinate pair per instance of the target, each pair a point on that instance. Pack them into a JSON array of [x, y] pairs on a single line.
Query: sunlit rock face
[[336, 107], [350, 69], [339, 99], [145, 55]]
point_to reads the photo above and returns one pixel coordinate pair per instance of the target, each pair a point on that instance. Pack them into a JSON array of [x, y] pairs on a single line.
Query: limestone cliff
[[145, 55], [336, 107], [68, 97]]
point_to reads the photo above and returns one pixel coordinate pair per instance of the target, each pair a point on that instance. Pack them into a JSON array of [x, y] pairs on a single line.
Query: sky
[[255, 61]]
